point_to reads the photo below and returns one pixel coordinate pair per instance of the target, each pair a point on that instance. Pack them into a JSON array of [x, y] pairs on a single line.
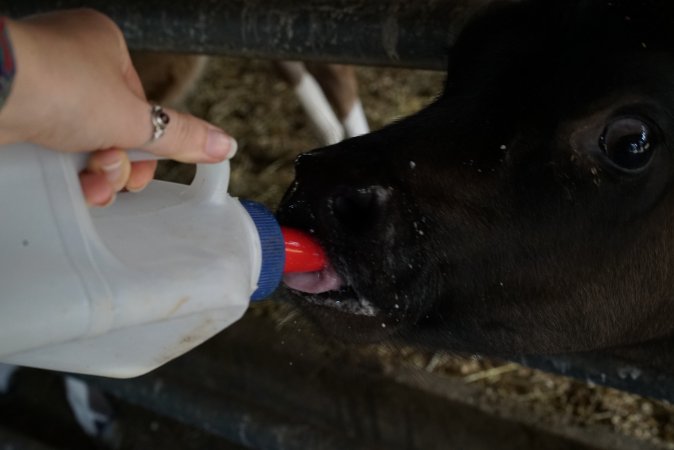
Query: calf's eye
[[628, 142]]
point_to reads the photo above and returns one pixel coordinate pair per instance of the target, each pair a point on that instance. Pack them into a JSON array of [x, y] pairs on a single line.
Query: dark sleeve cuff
[[7, 65]]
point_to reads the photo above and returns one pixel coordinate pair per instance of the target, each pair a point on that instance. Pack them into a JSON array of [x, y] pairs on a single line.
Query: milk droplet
[[413, 165]]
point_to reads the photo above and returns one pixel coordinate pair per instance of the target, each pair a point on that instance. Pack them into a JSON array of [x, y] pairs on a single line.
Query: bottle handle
[[210, 182], [80, 159]]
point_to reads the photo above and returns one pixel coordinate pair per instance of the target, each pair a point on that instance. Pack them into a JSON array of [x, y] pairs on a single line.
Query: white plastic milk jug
[[121, 290]]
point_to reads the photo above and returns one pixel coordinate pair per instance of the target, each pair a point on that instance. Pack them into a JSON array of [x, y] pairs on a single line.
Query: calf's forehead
[[606, 44]]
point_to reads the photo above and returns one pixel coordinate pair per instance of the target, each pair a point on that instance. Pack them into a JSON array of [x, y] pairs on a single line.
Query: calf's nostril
[[358, 209]]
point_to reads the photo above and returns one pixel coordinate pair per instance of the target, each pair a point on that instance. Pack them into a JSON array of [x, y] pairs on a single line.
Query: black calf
[[528, 210]]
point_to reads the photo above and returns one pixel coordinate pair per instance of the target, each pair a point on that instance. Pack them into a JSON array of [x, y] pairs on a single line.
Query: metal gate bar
[[369, 32]]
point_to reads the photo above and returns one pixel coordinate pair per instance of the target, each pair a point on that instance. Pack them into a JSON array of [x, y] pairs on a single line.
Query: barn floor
[[477, 394], [268, 384]]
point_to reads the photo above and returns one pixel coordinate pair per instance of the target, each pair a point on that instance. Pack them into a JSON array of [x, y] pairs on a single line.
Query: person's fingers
[[114, 164], [186, 138], [109, 171], [97, 191], [189, 139], [141, 174]]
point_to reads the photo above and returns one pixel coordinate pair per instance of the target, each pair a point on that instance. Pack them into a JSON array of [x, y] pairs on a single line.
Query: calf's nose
[[339, 191], [355, 209]]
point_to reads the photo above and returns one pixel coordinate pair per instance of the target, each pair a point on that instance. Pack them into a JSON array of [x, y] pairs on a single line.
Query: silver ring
[[160, 121]]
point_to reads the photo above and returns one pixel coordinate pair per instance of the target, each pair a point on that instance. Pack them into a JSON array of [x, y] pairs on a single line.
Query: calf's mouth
[[327, 288]]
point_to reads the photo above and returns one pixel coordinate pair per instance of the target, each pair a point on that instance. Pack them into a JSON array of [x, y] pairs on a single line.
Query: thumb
[[186, 138]]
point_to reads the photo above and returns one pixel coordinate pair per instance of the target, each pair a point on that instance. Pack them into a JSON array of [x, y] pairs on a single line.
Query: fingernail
[[136, 188], [110, 201], [233, 147], [219, 145], [113, 171]]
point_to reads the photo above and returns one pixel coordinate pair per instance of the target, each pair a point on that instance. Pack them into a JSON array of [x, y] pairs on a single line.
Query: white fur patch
[[318, 109], [355, 123]]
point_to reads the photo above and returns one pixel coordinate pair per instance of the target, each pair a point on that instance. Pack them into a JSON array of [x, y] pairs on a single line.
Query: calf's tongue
[[314, 282]]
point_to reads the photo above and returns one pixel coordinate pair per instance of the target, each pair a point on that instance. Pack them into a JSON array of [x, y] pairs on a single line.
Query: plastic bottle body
[[121, 290]]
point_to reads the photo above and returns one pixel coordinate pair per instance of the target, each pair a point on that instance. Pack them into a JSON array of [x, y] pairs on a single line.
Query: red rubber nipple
[[303, 254]]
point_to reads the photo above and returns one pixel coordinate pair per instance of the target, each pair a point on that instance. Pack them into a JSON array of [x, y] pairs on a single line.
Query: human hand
[[75, 89]]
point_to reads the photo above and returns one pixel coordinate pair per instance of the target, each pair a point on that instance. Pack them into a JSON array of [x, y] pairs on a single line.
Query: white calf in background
[[328, 93]]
